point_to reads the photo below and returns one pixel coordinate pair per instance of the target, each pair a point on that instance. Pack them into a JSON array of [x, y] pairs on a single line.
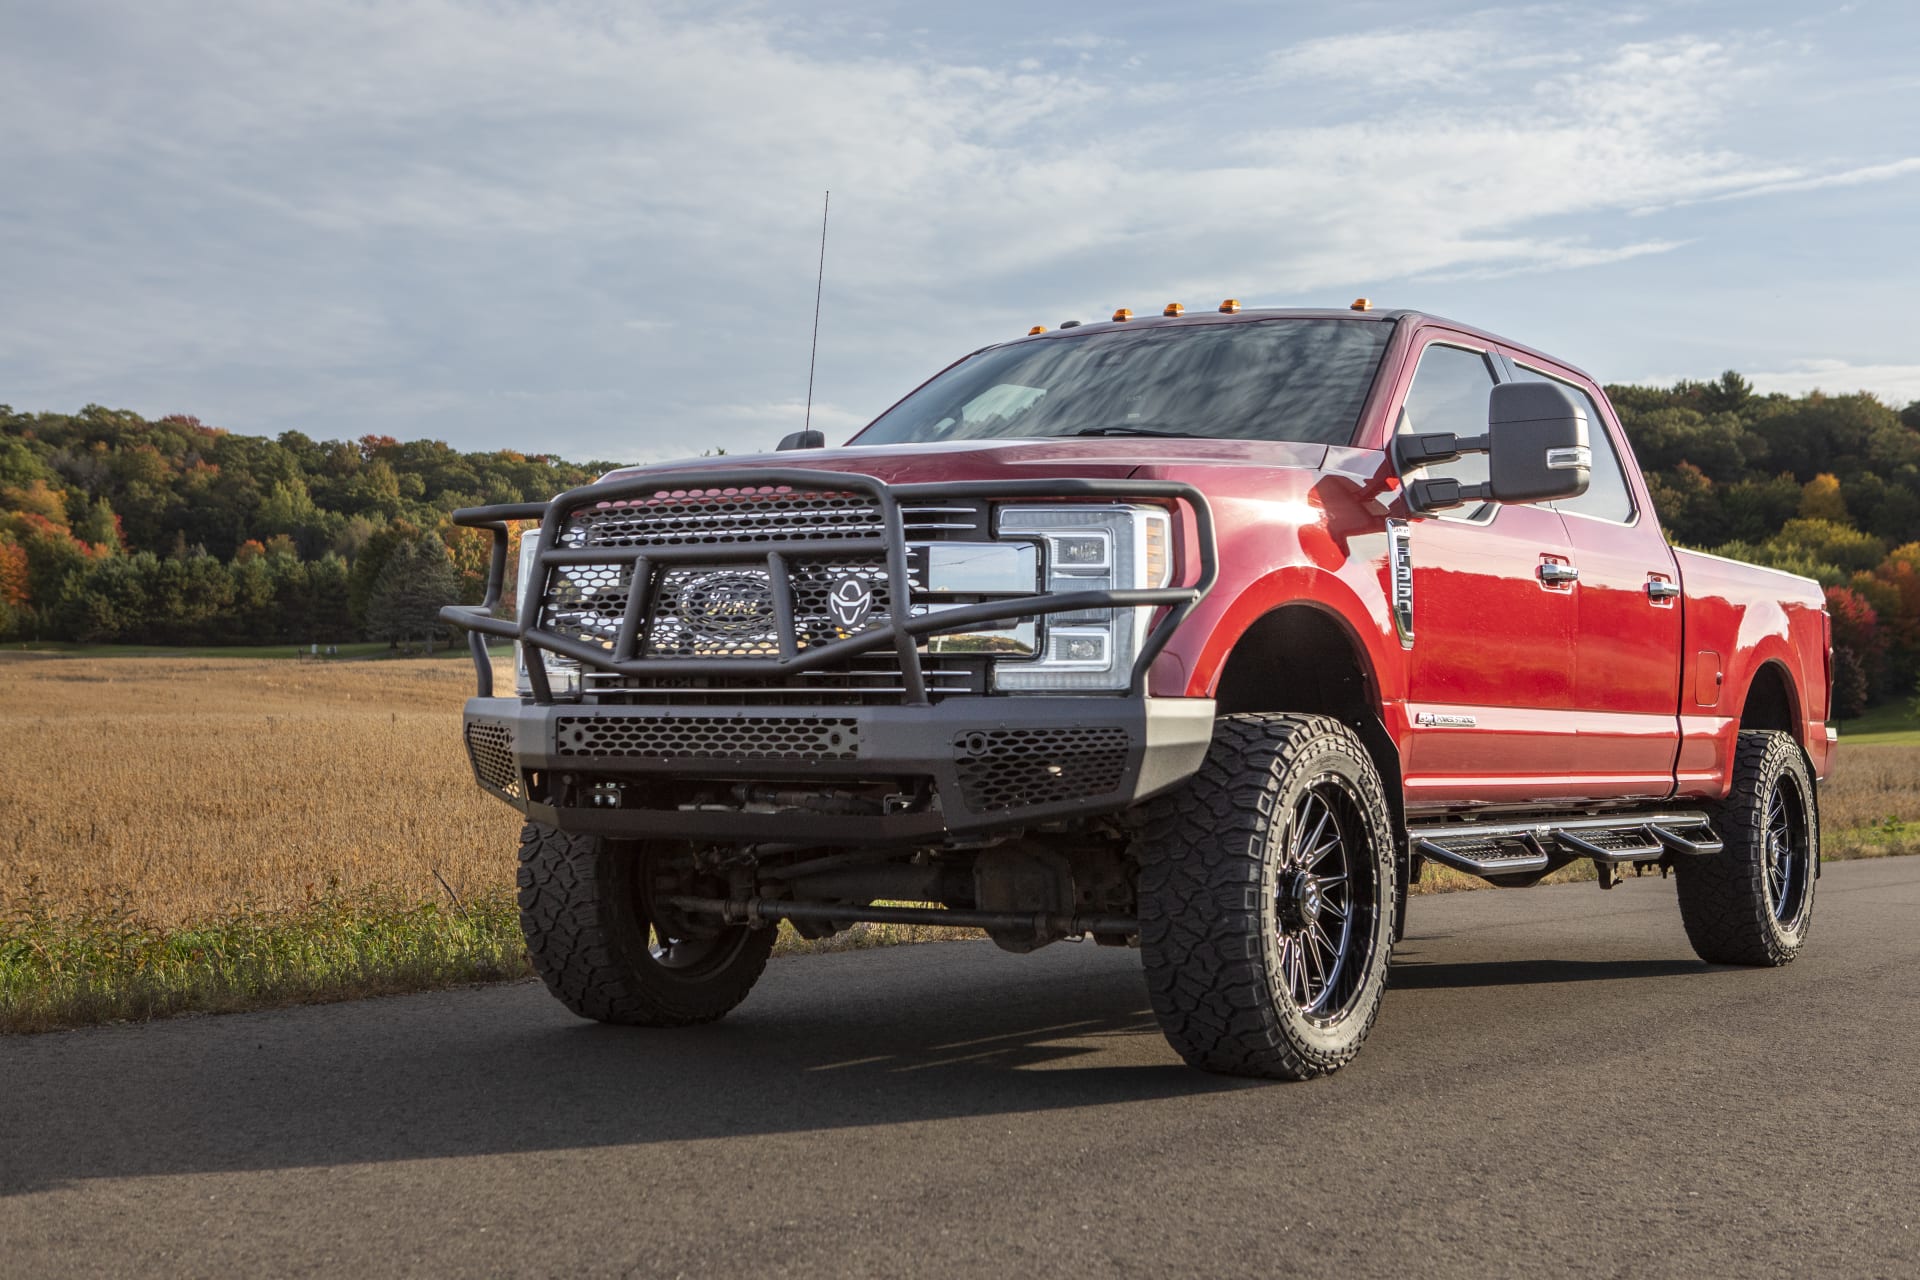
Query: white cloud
[[1469, 54], [436, 216], [1810, 182], [1557, 255], [1896, 384]]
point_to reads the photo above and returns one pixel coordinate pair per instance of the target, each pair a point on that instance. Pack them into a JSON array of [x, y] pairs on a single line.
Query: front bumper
[[978, 764]]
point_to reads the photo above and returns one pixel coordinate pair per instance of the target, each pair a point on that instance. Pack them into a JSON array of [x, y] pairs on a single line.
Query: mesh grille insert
[[490, 746], [684, 622], [586, 601], [710, 737], [1015, 768], [760, 513]]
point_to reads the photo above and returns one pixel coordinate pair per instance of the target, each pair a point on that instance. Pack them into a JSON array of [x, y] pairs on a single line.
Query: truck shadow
[[828, 1045], [831, 1043]]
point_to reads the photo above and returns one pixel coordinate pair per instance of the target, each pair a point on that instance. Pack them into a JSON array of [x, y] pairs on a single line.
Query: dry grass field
[[184, 787], [280, 824], [1872, 787]]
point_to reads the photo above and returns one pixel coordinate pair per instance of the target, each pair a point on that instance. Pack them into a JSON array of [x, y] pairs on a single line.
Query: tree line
[[114, 528], [117, 528], [1827, 486]]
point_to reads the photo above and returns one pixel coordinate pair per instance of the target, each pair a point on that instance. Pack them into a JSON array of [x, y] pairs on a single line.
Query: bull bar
[[1071, 755], [901, 631]]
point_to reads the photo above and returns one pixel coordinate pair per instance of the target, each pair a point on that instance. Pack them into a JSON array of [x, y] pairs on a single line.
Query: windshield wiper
[[1128, 431]]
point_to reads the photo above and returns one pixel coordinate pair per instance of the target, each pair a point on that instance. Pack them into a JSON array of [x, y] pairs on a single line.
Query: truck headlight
[[1089, 548], [563, 674]]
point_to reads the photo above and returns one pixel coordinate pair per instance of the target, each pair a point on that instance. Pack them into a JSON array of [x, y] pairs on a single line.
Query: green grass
[[63, 968], [371, 649], [101, 964], [1893, 838], [1891, 725]]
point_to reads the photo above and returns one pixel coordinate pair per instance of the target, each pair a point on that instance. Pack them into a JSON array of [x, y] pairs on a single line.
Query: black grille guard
[[900, 632]]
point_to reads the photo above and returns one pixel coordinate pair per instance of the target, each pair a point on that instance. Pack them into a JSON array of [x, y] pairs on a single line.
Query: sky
[[592, 229]]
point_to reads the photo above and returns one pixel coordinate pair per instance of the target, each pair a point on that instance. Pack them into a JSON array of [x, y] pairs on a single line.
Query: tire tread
[[583, 941], [1200, 898], [1722, 900]]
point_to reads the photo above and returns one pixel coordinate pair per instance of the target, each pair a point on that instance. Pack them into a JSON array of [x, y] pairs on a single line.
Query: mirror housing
[[1537, 438], [802, 440], [1536, 447]]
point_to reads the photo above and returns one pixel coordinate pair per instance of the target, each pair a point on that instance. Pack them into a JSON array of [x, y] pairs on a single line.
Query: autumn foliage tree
[[172, 530], [115, 527]]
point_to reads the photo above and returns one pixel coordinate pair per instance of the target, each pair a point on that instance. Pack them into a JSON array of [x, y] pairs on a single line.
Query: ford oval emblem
[[851, 601], [727, 604]]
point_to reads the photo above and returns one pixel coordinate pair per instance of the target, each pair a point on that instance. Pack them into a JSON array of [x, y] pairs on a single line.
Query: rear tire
[[1262, 959], [592, 940], [1752, 903]]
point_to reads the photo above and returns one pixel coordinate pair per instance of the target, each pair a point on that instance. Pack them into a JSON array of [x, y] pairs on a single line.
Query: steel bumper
[[993, 762]]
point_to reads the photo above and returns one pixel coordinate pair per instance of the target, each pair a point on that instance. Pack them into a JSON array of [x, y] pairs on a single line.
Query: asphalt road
[[1555, 1086]]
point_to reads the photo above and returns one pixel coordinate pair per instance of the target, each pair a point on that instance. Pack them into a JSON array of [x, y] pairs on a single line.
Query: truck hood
[[1097, 458]]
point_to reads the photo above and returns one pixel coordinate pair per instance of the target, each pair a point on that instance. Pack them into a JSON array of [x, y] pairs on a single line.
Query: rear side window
[[1607, 496], [1450, 392]]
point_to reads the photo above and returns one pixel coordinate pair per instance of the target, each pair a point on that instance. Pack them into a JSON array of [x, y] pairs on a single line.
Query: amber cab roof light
[[1123, 314], [1039, 328], [1230, 306], [1362, 304], [1172, 309]]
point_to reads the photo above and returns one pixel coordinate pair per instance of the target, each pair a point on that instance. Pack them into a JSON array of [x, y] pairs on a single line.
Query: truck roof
[[1247, 314]]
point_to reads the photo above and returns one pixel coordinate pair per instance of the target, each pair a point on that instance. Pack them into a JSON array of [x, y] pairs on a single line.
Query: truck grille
[[681, 621], [691, 517], [728, 608], [725, 609], [585, 602]]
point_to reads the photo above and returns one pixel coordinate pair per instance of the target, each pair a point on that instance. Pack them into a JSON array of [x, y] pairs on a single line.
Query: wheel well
[[1300, 658], [1770, 701]]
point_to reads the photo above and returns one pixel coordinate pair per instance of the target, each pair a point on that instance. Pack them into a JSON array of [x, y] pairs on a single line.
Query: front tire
[[1267, 896], [1752, 903], [592, 939]]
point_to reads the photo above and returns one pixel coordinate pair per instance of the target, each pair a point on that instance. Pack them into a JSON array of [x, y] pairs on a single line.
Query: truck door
[[1490, 676], [1627, 639]]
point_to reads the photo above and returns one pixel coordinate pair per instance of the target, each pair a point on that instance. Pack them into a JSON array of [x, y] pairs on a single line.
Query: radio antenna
[[819, 279]]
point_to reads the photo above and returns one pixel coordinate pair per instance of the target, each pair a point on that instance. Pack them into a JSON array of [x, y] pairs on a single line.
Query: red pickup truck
[[1200, 633]]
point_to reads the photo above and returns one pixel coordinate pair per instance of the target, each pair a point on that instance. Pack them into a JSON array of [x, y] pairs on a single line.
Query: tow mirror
[[802, 440], [1536, 447]]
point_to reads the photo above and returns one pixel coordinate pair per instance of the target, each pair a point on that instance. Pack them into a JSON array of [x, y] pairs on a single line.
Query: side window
[[1607, 496], [1450, 392]]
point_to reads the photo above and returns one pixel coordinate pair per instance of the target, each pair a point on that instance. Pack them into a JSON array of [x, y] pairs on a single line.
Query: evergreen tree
[[416, 582]]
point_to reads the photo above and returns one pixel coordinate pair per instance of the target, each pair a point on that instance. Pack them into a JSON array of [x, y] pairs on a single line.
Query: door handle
[[1553, 573], [1660, 590]]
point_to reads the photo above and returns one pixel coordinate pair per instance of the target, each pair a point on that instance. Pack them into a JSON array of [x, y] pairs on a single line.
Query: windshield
[[1287, 379]]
